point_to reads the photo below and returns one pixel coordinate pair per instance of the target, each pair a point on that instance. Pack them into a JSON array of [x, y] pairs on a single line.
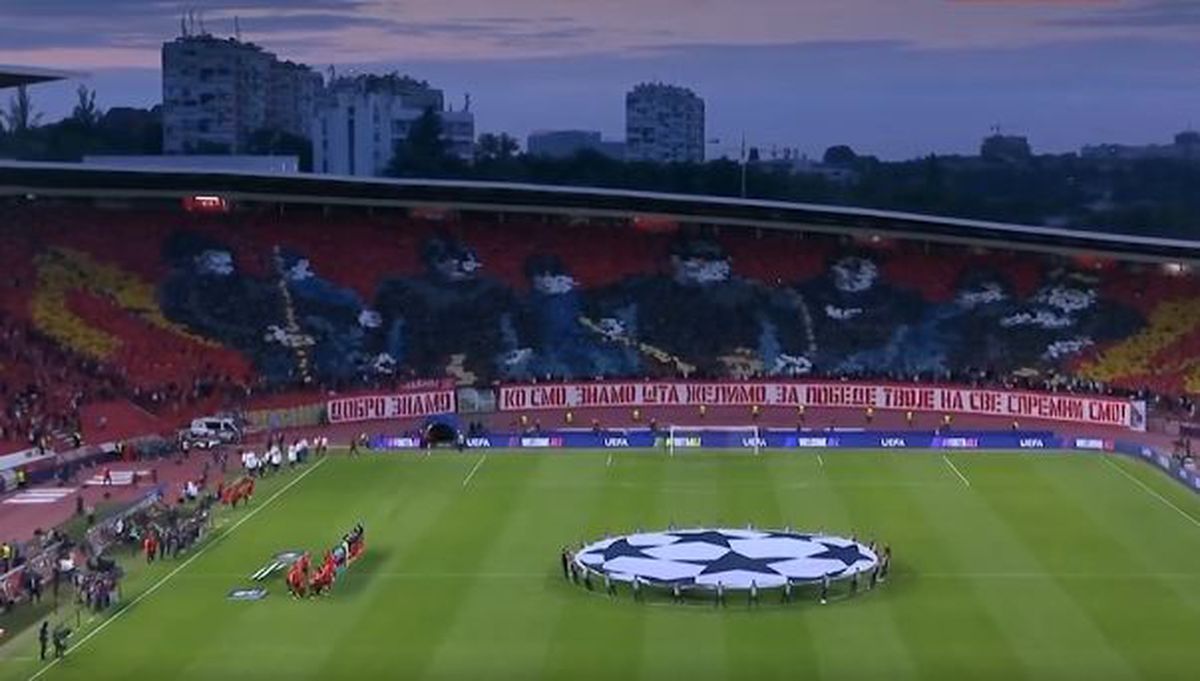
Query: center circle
[[735, 559]]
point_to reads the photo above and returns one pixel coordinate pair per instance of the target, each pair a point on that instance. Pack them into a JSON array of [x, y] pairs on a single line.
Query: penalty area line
[[167, 577], [473, 469], [1146, 488], [956, 471]]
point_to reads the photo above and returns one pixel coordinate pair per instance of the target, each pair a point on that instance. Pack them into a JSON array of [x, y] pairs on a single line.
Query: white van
[[218, 427]]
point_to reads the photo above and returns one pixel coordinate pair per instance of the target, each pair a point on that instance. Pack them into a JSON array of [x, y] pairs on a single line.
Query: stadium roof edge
[[16, 76], [100, 181]]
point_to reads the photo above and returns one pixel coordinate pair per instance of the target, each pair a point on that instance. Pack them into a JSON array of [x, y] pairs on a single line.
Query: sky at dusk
[[896, 78]]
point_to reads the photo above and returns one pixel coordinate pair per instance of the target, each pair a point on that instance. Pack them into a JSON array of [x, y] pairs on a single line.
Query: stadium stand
[[173, 311]]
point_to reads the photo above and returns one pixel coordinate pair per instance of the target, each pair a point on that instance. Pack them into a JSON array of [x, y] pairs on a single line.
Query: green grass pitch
[[1013, 566]]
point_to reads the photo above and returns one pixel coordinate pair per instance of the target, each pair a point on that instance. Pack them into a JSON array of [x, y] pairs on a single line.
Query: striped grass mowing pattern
[[1007, 566]]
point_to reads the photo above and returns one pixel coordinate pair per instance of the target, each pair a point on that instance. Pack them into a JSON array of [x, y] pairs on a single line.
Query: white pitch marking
[[1057, 575], [155, 587], [820, 460], [956, 471], [1191, 518], [460, 575], [473, 469]]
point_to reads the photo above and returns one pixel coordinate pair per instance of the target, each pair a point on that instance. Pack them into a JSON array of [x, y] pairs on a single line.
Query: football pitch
[[1005, 566]]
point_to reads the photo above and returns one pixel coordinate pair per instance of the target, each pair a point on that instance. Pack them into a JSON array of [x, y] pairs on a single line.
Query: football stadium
[[282, 427], [261, 425]]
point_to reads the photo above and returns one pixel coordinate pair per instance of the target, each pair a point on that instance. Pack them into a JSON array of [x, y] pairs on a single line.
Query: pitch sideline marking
[[155, 587], [1151, 492], [473, 469], [956, 471], [917, 575]]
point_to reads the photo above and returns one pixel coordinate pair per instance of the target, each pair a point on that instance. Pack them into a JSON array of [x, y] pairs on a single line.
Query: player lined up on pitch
[[336, 560], [680, 586]]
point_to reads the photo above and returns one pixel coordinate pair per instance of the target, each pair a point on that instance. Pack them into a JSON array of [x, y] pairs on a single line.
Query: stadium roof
[[99, 182], [16, 76]]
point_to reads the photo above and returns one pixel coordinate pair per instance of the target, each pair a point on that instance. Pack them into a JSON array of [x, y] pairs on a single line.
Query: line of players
[[577, 574], [336, 560], [278, 452]]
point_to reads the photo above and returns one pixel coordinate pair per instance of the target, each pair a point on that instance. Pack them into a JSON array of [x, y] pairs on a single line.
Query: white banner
[[384, 407], [931, 399], [24, 458]]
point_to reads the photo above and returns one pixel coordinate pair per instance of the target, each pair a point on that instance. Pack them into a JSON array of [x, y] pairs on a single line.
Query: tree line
[[1156, 196], [1159, 196]]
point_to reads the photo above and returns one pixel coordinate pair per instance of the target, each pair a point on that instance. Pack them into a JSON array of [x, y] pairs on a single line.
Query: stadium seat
[[176, 312]]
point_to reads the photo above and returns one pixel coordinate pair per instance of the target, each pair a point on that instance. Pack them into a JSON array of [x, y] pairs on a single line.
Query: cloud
[[75, 24], [131, 9], [316, 29], [15, 37], [1152, 14], [897, 99]]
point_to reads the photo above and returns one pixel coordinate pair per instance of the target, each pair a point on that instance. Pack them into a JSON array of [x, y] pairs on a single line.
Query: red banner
[[939, 399], [385, 407]]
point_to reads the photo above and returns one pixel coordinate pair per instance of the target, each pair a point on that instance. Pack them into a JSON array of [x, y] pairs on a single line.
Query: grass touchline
[[155, 587]]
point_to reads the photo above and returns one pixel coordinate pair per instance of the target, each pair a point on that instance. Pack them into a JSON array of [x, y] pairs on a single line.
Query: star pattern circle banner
[[735, 559]]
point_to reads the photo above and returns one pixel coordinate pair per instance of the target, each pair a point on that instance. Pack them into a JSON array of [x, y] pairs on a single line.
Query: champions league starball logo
[[735, 559]]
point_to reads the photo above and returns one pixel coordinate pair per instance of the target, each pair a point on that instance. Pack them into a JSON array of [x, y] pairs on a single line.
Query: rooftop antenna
[[183, 25], [203, 31], [467, 102]]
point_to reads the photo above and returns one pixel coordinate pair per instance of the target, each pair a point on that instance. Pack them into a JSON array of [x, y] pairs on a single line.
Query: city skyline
[[898, 82]]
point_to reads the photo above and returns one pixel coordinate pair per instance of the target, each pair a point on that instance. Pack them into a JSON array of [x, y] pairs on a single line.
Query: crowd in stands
[[180, 312], [41, 387]]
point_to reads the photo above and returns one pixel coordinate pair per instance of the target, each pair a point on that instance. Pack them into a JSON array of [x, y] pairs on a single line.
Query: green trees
[[1153, 196], [492, 148], [839, 155], [20, 117], [85, 114], [272, 142], [425, 151], [88, 130]]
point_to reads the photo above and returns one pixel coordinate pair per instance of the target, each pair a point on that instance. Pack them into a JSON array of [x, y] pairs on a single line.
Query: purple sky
[[897, 78]]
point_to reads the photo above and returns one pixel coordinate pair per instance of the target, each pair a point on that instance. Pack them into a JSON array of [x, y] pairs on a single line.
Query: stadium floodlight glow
[[205, 203], [655, 224]]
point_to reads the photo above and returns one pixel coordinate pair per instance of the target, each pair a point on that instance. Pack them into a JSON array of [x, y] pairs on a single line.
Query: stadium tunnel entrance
[[441, 433]]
